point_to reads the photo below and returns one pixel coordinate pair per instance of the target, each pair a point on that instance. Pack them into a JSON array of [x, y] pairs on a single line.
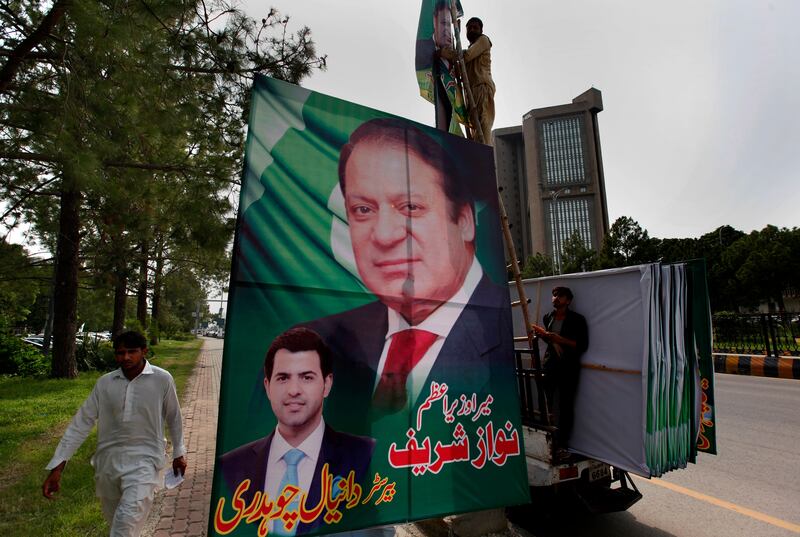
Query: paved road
[[751, 488]]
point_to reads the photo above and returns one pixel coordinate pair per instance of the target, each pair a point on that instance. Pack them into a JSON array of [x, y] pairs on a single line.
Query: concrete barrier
[[760, 366]]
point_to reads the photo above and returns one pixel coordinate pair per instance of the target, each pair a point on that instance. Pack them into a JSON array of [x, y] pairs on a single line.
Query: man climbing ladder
[[478, 60]]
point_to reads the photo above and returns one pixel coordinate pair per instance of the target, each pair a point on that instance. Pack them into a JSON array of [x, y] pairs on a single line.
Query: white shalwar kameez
[[131, 447]]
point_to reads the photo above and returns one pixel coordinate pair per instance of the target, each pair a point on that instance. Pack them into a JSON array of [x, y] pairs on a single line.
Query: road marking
[[726, 505]]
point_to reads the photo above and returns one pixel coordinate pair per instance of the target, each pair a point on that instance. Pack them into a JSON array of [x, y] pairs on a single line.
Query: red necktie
[[405, 351]]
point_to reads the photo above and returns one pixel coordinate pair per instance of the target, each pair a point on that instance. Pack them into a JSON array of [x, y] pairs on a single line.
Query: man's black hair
[[476, 19], [130, 340], [562, 291], [391, 131], [297, 340]]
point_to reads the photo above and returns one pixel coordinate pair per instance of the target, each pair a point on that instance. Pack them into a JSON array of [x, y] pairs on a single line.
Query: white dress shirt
[[130, 417], [440, 322], [276, 466]]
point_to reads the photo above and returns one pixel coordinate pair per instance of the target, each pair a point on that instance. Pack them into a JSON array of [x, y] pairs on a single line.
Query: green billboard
[[368, 373]]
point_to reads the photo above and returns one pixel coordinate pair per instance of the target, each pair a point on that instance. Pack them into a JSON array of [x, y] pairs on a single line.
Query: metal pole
[[765, 333], [773, 335], [523, 303]]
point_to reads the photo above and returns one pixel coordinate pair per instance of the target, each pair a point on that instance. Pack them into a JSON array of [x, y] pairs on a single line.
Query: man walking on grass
[[130, 406]]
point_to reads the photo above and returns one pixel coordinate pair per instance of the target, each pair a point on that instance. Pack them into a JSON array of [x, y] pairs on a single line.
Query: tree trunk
[[48, 323], [65, 296], [120, 300], [154, 316], [141, 291], [781, 304]]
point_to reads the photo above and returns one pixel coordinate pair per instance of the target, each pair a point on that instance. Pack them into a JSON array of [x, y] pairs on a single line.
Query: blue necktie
[[292, 458]]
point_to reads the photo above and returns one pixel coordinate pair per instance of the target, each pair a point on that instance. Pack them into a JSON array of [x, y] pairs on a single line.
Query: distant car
[[36, 341], [94, 336]]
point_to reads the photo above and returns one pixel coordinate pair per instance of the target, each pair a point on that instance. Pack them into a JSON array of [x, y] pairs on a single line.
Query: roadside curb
[[758, 366]]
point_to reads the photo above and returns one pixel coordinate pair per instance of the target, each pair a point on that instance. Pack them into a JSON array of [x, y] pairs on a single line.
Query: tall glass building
[[550, 170]]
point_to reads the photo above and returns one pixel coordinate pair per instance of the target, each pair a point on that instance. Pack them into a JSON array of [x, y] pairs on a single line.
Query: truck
[[645, 402], [593, 484]]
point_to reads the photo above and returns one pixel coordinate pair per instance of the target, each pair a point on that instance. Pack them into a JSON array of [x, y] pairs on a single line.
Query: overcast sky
[[700, 126]]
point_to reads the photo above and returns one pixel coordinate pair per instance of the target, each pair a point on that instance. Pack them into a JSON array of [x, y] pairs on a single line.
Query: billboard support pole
[[533, 343]]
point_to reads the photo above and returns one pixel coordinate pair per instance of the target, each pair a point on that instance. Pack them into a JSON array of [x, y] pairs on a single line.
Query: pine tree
[[101, 99]]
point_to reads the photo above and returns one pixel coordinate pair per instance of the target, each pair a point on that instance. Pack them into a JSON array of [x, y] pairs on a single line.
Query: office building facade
[[550, 170]]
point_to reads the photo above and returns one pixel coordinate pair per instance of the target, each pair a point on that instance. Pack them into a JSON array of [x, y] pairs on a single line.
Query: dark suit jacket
[[425, 55], [567, 366], [477, 351], [343, 452]]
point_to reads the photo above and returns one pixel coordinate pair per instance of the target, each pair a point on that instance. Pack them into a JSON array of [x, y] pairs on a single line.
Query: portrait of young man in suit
[[438, 316], [298, 376]]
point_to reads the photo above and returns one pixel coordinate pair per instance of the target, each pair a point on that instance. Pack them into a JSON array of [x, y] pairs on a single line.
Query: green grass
[[177, 357], [33, 415]]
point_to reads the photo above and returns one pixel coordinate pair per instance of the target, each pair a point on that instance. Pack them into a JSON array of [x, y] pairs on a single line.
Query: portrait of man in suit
[[433, 71], [438, 317], [441, 37], [298, 376]]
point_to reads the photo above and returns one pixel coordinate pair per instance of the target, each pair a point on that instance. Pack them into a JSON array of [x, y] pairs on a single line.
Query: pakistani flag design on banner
[[396, 279]]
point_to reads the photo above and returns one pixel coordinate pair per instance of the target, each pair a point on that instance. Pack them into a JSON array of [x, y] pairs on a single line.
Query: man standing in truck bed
[[567, 338]]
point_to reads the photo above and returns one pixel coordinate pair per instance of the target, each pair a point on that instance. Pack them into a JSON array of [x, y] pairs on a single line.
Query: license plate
[[600, 472]]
